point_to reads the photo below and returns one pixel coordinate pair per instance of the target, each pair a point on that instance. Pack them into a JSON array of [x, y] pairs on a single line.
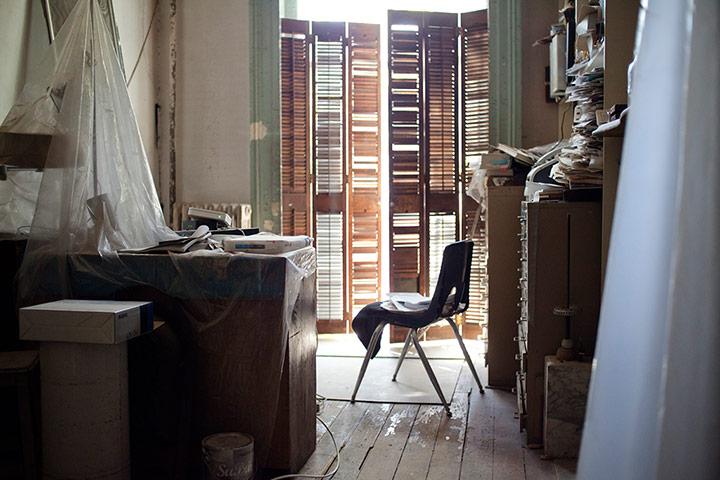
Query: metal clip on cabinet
[[543, 285]]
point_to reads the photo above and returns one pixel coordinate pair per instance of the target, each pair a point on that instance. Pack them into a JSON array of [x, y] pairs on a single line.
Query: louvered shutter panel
[[475, 141], [364, 167], [405, 98], [441, 136], [330, 174], [424, 144], [295, 118]]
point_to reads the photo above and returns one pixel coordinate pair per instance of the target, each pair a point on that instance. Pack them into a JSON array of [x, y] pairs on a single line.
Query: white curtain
[[654, 406]]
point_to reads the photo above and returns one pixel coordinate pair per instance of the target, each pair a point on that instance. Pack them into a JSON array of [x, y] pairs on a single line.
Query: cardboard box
[[86, 321], [266, 243]]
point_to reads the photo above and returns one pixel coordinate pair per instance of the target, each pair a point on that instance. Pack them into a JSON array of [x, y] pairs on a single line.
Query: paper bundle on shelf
[[580, 163]]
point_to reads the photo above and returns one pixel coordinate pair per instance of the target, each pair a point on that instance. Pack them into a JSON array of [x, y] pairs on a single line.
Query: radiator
[[240, 212]]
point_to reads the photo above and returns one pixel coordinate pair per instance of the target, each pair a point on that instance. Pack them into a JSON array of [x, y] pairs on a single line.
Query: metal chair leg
[[429, 371], [402, 355], [373, 342], [465, 352]]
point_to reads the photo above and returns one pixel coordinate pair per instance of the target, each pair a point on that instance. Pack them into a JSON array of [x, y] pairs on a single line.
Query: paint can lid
[[240, 442]]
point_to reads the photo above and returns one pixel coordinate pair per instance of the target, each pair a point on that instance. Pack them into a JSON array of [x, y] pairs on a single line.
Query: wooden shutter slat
[[295, 124], [441, 99], [329, 158], [364, 167], [405, 100], [441, 138], [475, 141], [330, 275]]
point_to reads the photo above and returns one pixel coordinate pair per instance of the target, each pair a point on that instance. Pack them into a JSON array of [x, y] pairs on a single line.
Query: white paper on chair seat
[[406, 302], [86, 321]]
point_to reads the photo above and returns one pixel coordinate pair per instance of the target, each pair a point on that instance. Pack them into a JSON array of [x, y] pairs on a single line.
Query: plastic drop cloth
[[97, 193], [236, 353], [18, 197]]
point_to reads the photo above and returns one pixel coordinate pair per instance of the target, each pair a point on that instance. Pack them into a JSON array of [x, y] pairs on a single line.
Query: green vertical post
[[265, 114], [504, 25]]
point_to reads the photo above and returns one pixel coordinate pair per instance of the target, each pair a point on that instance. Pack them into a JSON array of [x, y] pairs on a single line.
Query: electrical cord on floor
[[320, 475]]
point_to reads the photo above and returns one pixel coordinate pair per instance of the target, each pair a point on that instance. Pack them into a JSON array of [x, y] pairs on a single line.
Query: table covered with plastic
[[237, 352]]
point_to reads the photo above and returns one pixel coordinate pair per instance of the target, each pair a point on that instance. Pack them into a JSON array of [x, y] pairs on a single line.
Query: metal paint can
[[228, 456]]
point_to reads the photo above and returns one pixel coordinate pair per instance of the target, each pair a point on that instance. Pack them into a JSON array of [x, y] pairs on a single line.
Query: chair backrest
[[454, 274]]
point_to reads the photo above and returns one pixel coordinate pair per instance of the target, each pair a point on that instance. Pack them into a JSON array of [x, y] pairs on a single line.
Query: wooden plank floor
[[384, 441]]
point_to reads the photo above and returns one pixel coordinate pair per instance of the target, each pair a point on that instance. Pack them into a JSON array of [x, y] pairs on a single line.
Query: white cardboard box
[[86, 321], [266, 243]]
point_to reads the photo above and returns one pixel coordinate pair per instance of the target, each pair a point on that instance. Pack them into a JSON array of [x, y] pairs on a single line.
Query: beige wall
[[212, 95], [539, 118], [133, 20], [213, 101], [213, 98], [23, 41]]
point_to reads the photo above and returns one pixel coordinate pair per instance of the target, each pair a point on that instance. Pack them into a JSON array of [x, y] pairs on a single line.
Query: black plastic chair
[[451, 297]]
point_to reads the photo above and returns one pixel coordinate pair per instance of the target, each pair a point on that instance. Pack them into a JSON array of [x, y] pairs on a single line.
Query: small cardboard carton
[[86, 321]]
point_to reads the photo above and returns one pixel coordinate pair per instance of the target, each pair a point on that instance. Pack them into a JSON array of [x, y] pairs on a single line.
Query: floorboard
[[415, 460], [477, 461], [329, 411], [481, 441], [342, 427], [362, 440], [536, 467], [565, 469], [508, 442], [448, 451], [383, 459]]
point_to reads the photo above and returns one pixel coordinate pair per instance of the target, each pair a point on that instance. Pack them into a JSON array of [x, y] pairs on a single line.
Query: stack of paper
[[580, 163], [406, 302], [199, 240]]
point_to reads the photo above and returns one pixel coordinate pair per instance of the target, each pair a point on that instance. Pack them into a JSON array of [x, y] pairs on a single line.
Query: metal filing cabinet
[[503, 263], [543, 285]]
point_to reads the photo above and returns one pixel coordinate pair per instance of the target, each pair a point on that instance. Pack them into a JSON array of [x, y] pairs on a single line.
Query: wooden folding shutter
[[475, 141], [405, 100], [330, 174], [364, 182], [424, 168], [295, 118], [442, 208]]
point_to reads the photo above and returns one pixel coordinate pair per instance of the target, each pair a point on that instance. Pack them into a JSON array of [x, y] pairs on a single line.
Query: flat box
[[492, 161], [262, 243], [86, 321]]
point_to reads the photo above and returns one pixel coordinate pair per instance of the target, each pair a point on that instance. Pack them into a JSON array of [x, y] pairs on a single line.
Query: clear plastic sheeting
[[655, 389], [97, 193], [236, 353], [18, 196]]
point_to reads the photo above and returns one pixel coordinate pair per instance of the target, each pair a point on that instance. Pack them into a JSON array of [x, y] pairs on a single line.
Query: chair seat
[[372, 315]]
